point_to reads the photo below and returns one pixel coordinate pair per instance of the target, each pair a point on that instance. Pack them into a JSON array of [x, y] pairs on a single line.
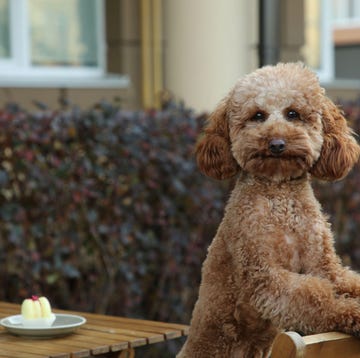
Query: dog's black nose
[[277, 146]]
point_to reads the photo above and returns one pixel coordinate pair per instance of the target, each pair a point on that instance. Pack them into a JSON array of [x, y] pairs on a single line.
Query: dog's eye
[[259, 116], [291, 115]]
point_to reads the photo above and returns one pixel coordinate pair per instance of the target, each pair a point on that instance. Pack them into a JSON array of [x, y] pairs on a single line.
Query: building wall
[[124, 45], [292, 30], [204, 47], [208, 45]]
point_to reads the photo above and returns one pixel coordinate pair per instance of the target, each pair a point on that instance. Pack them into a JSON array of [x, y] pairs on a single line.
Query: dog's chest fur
[[277, 221]]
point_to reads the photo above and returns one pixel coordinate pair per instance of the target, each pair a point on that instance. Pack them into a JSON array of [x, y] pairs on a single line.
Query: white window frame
[[347, 21], [326, 70], [18, 70]]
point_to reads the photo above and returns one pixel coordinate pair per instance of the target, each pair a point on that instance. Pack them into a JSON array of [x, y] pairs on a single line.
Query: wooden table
[[101, 334]]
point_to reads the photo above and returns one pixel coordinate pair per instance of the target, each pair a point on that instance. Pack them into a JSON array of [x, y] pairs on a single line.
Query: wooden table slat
[[49, 346], [151, 337], [15, 353], [31, 348], [169, 332], [8, 341]]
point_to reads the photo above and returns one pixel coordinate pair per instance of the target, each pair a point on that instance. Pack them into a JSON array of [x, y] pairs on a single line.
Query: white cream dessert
[[36, 312]]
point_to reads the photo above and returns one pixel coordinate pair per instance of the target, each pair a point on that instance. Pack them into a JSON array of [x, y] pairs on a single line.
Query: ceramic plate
[[63, 324]]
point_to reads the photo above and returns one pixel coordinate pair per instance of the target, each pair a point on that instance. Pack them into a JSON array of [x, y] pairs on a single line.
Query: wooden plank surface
[[332, 345], [322, 345], [100, 335]]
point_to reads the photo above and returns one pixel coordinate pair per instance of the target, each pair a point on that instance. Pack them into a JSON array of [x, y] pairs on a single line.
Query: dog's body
[[272, 265]]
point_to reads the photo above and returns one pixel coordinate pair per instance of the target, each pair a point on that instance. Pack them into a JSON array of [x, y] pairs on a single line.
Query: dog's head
[[277, 123]]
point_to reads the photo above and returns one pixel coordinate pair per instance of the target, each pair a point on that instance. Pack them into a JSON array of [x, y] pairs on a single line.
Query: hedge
[[341, 199], [105, 210]]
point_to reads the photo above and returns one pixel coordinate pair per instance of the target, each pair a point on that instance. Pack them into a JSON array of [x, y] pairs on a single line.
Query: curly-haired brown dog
[[272, 264]]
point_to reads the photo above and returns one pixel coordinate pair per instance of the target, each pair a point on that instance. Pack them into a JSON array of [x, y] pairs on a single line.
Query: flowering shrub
[[105, 210], [341, 200]]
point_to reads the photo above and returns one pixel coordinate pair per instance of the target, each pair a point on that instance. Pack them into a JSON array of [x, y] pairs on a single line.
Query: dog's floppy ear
[[340, 150], [213, 149]]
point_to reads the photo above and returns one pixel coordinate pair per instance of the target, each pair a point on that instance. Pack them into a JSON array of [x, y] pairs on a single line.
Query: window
[[318, 49], [346, 39], [332, 39], [52, 21], [43, 40], [346, 12]]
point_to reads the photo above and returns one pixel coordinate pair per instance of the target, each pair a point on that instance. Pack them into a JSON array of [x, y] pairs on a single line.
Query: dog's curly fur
[[272, 264]]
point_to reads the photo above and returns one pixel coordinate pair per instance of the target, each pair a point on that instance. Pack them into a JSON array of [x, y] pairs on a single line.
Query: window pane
[[4, 29], [344, 10], [63, 33], [357, 9], [341, 9]]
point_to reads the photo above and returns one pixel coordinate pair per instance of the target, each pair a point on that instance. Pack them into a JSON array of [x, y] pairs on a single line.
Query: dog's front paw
[[355, 327], [350, 324]]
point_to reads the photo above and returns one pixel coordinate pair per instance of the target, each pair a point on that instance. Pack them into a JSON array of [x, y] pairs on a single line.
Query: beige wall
[[208, 45], [292, 34], [124, 45]]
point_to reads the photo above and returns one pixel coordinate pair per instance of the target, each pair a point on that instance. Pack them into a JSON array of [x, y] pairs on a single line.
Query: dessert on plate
[[36, 312]]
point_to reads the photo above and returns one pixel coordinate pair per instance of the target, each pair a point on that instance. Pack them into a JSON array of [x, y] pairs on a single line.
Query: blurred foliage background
[[105, 210]]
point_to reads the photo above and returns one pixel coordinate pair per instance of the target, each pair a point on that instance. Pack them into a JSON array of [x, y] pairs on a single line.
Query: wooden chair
[[324, 345]]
